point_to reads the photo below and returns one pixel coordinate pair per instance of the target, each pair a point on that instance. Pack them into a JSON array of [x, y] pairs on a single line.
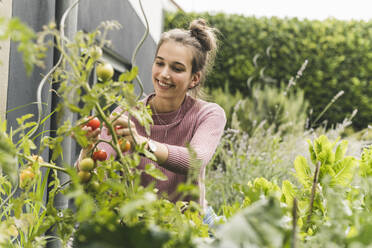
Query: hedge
[[339, 55]]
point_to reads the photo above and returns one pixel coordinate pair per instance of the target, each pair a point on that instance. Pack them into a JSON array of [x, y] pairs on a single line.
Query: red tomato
[[94, 123], [118, 127], [100, 155]]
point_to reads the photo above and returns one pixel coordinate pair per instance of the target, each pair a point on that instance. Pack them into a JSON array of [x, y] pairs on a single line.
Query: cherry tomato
[[99, 155], [94, 123], [84, 176], [26, 176], [87, 164], [118, 127], [124, 145], [104, 71]]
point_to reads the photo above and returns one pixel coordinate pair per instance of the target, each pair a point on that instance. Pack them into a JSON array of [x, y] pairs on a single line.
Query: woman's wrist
[[140, 140]]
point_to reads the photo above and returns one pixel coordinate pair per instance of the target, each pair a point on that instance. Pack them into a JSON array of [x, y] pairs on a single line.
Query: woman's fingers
[[122, 122], [92, 134], [123, 132]]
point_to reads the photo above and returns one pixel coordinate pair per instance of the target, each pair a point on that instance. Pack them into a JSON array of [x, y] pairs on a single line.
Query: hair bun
[[199, 29]]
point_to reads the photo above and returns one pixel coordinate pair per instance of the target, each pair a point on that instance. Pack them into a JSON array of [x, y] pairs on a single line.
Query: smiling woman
[[180, 117]]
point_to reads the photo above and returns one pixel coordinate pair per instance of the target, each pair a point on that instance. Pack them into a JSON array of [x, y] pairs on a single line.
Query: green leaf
[[288, 192], [344, 171], [366, 162], [74, 108], [259, 225], [341, 150], [128, 76], [22, 119], [155, 172], [111, 234], [303, 172], [8, 157], [312, 152], [129, 207]]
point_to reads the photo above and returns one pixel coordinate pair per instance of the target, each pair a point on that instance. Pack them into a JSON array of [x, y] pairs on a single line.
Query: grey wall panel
[[124, 41], [22, 88]]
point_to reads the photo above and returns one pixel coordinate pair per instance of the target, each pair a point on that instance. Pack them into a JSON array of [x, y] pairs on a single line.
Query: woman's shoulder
[[209, 106], [202, 108]]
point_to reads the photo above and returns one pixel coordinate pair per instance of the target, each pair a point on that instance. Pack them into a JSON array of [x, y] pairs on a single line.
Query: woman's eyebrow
[[175, 62]]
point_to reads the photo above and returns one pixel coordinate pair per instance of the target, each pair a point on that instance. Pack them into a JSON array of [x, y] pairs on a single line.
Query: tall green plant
[[270, 107]]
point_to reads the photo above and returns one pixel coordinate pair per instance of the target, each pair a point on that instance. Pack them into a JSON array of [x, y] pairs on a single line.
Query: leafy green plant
[[270, 107], [329, 198]]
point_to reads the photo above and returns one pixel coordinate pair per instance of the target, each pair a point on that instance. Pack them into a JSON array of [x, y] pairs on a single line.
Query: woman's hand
[[121, 126], [92, 135]]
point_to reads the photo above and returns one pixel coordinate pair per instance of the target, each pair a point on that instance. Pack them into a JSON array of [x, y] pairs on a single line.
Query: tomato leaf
[[155, 172]]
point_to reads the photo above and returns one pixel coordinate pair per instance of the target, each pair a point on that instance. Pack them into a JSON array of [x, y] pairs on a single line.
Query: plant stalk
[[294, 224], [313, 191]]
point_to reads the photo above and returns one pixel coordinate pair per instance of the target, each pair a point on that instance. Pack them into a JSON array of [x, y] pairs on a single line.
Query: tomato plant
[[99, 155]]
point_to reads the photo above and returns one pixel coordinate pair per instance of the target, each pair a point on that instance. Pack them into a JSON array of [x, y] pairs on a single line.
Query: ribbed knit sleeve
[[208, 129]]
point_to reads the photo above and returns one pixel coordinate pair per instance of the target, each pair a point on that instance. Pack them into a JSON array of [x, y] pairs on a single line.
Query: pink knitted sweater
[[197, 123]]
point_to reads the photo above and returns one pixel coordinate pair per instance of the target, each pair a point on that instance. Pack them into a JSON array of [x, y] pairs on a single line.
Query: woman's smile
[[164, 84]]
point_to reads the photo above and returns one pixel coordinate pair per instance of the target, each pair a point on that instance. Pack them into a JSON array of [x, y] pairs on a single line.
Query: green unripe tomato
[[104, 71], [84, 176], [94, 185], [87, 164]]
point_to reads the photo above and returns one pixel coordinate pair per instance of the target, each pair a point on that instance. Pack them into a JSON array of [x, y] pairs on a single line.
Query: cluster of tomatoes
[[87, 165]]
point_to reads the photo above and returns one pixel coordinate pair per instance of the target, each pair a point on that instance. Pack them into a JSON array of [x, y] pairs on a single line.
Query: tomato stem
[[115, 145], [43, 164]]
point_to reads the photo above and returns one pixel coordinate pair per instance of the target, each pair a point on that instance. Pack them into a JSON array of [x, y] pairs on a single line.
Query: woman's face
[[171, 71]]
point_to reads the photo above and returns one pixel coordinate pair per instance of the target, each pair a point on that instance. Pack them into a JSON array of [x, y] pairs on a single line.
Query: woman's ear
[[195, 79]]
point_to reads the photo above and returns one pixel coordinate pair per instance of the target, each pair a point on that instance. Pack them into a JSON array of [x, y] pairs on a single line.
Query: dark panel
[[94, 12]]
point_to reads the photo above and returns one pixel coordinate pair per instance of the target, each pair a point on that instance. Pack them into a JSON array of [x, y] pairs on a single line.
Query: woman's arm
[[204, 142], [211, 122]]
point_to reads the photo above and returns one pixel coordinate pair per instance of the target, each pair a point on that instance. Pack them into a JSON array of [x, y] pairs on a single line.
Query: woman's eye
[[159, 63], [176, 69]]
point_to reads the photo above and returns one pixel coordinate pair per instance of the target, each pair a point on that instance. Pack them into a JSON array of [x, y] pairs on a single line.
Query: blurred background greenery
[[268, 52]]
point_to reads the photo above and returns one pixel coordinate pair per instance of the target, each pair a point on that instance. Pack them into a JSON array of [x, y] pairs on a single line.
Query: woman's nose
[[165, 73]]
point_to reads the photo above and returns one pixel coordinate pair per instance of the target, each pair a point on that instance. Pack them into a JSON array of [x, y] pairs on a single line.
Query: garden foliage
[[278, 184], [339, 56]]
